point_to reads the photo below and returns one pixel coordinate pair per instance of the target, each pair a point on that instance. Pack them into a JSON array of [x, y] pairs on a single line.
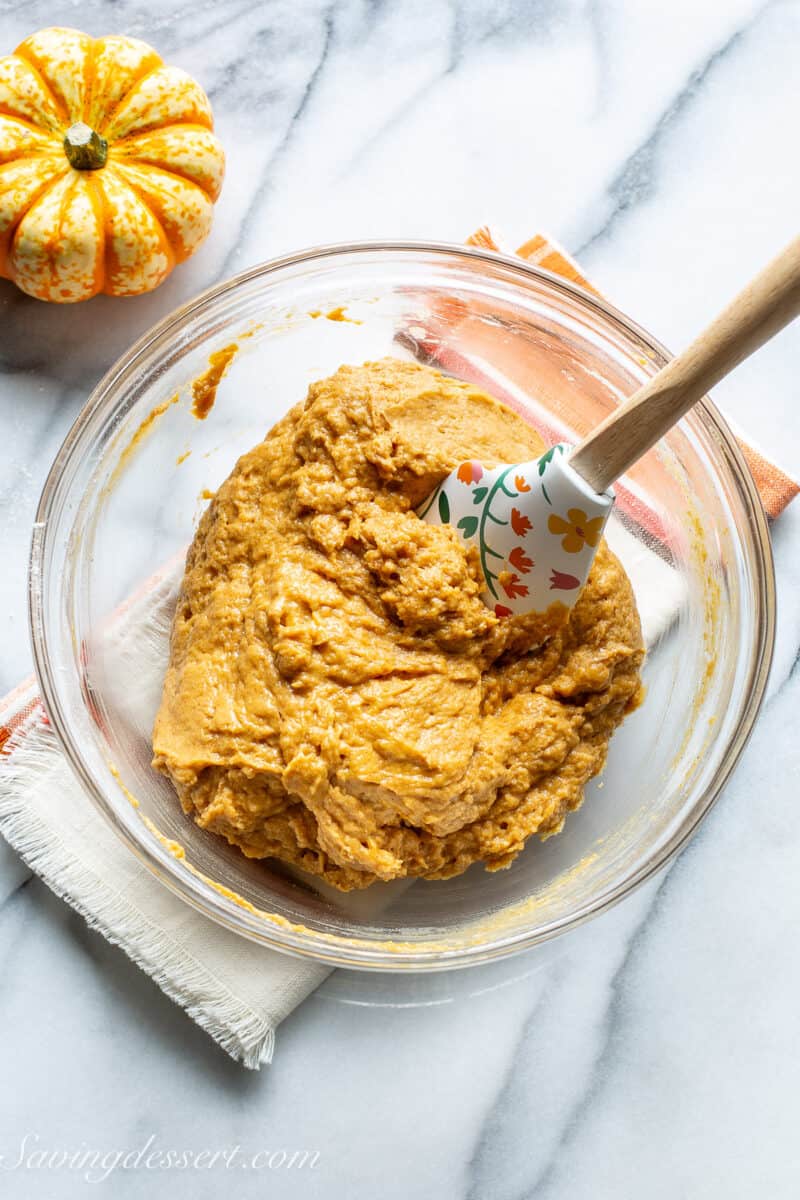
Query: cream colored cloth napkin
[[236, 990]]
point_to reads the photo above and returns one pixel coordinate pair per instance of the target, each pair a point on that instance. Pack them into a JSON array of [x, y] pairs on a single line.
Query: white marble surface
[[653, 1053]]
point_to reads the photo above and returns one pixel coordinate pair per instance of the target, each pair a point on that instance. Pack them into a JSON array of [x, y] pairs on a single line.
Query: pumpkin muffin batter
[[338, 696]]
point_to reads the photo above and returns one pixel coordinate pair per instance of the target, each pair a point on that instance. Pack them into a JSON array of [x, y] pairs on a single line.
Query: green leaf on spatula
[[444, 508], [468, 526], [545, 459]]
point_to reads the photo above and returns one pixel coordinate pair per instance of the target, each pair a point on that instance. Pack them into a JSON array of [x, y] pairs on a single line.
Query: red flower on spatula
[[519, 559], [519, 523], [513, 588], [563, 582]]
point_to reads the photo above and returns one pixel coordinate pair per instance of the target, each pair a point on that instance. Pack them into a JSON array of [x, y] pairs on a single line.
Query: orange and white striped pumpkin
[[109, 168]]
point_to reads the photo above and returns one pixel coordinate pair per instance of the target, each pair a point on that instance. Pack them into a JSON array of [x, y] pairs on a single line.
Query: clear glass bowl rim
[[350, 951]]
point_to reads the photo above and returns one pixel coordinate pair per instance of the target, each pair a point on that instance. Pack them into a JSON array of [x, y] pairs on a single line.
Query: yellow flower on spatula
[[577, 531]]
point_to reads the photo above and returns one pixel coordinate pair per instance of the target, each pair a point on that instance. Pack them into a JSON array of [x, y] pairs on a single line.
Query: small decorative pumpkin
[[108, 166]]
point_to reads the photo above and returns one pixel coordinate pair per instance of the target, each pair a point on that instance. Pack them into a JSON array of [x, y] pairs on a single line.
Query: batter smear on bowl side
[[338, 695]]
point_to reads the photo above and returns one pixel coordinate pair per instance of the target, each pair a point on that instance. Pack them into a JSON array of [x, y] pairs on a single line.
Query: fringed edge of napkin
[[203, 996]]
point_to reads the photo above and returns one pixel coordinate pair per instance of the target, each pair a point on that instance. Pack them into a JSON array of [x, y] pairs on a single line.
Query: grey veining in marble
[[654, 1052]]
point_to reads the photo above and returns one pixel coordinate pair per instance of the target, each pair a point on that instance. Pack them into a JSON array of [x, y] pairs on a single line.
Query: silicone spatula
[[536, 525]]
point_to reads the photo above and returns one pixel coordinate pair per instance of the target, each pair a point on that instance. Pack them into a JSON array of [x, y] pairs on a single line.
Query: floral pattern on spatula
[[530, 555]]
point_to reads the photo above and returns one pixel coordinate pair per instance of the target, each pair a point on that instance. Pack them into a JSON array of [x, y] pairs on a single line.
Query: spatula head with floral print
[[536, 525]]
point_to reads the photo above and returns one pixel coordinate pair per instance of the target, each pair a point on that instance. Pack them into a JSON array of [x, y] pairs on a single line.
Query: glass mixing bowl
[[124, 495]]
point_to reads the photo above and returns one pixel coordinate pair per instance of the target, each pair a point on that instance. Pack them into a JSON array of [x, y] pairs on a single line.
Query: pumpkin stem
[[85, 149]]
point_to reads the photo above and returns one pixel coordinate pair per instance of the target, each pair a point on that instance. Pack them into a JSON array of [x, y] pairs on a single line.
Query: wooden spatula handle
[[768, 303]]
